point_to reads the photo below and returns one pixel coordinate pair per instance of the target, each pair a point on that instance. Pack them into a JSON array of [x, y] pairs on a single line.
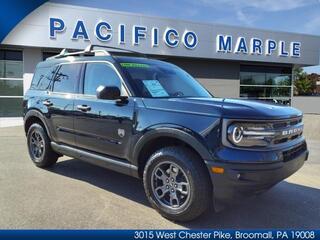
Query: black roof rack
[[65, 53], [90, 51], [91, 47]]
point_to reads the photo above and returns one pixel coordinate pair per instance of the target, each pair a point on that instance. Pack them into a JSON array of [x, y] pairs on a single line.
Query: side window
[[66, 78], [99, 74], [42, 78]]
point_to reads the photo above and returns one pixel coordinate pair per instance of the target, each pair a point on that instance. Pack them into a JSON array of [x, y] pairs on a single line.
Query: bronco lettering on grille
[[292, 131]]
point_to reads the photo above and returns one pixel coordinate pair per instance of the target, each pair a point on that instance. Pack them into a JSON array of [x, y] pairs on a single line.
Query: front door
[[102, 126]]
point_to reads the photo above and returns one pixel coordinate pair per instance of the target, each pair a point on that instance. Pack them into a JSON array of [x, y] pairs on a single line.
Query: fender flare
[[182, 134], [38, 114]]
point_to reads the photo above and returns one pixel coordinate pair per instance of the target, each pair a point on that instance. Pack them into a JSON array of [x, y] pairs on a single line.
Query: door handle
[[84, 108], [47, 103]]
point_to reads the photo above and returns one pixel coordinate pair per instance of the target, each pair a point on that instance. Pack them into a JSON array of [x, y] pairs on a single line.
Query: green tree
[[302, 84], [314, 78]]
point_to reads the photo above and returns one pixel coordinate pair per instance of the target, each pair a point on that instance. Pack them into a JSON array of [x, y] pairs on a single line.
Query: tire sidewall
[[39, 129], [155, 159]]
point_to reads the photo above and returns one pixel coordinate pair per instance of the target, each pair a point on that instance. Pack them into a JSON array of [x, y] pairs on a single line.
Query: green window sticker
[[134, 65], [155, 88]]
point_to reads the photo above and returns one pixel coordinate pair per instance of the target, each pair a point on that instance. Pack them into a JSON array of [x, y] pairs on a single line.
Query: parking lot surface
[[77, 195]]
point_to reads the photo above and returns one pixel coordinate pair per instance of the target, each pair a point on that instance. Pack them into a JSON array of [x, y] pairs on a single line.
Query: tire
[[38, 138], [189, 194]]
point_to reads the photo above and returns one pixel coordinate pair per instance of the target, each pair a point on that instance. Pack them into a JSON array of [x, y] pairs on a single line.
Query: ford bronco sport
[[150, 119]]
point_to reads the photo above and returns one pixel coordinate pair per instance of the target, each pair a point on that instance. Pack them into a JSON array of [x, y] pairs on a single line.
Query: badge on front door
[[121, 132]]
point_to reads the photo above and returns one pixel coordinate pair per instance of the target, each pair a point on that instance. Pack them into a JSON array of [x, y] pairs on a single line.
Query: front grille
[[287, 130], [286, 123], [294, 152]]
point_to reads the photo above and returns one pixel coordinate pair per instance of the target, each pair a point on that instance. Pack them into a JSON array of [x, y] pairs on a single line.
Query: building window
[[11, 64], [266, 83], [46, 55], [10, 107], [11, 83], [11, 87]]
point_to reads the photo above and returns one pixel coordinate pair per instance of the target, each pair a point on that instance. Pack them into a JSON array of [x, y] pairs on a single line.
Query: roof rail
[[90, 48], [90, 51], [64, 53]]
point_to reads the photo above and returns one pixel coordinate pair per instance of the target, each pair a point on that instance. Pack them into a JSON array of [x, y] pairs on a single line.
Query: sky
[[299, 16]]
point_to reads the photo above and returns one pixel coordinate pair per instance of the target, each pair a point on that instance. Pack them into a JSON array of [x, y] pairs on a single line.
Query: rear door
[[102, 126], [60, 102]]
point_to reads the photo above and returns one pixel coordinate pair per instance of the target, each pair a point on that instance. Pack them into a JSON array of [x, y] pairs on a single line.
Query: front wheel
[[39, 147], [177, 183]]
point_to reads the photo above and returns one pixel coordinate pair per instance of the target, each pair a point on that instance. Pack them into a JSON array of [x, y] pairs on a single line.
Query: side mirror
[[108, 92]]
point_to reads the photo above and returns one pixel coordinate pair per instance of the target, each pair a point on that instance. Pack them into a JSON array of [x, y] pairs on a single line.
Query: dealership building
[[229, 61]]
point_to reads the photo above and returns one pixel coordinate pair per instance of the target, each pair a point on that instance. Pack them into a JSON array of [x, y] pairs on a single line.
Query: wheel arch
[[34, 116], [166, 136]]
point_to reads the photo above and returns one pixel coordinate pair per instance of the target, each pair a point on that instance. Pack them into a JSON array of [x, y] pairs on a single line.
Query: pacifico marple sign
[[57, 26], [224, 43]]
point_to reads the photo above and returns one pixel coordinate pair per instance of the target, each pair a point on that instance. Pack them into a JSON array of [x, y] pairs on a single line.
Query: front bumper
[[240, 180]]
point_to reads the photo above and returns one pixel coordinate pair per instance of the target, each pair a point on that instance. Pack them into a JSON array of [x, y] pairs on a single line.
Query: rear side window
[[99, 74], [42, 78], [66, 78]]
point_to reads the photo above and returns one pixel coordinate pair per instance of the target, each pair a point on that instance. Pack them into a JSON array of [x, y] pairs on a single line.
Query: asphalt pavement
[[76, 195]]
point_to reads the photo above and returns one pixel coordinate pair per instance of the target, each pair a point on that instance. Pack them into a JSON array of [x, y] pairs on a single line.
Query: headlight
[[250, 134], [237, 133]]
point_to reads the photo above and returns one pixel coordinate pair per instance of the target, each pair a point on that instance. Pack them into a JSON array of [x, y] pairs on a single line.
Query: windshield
[[162, 80]]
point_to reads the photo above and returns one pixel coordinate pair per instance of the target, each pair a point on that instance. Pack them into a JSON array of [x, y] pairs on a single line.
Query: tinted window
[[11, 87], [13, 55], [99, 74], [10, 107], [66, 78], [13, 69], [2, 69], [11, 65], [46, 55], [265, 69], [42, 78], [266, 83]]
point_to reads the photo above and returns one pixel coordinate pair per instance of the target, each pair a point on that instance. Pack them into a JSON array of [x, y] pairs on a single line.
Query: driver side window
[[99, 74]]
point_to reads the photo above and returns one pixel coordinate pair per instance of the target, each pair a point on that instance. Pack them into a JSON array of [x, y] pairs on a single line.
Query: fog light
[[218, 170]]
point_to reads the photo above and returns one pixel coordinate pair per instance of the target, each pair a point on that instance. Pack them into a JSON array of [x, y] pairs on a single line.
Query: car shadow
[[286, 205], [120, 184]]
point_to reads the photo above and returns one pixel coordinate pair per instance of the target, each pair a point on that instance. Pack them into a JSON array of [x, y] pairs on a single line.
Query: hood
[[223, 107]]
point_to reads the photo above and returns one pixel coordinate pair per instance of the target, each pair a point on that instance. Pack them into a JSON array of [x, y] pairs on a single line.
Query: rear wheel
[[39, 147], [177, 184]]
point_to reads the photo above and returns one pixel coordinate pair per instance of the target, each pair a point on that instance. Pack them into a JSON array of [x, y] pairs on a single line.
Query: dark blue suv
[[152, 120]]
